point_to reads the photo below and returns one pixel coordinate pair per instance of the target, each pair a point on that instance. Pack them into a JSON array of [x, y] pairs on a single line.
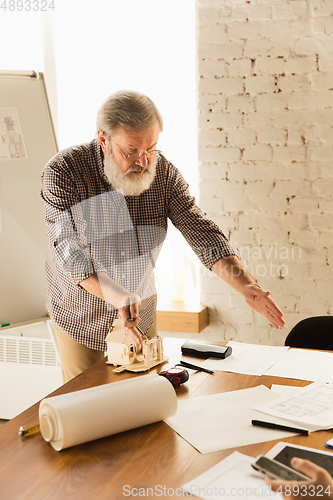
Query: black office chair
[[312, 333]]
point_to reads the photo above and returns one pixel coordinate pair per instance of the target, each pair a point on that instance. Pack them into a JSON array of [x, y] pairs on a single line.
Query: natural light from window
[[88, 50]]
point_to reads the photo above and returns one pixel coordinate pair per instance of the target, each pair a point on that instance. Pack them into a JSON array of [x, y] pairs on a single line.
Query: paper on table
[[283, 390], [304, 364], [221, 421], [311, 406], [250, 359], [82, 416], [233, 477]]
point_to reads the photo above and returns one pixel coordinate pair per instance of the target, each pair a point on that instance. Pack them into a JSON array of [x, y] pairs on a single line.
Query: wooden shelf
[[178, 316]]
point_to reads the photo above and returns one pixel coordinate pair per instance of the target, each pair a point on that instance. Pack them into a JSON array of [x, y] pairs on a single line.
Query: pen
[[195, 367], [271, 425]]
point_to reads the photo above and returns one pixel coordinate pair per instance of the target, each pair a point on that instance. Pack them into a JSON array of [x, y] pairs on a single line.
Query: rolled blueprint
[[82, 416]]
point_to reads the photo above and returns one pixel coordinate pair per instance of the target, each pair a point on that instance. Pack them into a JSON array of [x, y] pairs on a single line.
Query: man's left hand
[[261, 302]]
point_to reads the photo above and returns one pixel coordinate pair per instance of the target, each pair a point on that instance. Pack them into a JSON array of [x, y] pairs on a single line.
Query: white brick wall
[[265, 99]]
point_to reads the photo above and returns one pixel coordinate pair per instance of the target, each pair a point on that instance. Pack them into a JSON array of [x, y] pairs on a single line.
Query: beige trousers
[[75, 357]]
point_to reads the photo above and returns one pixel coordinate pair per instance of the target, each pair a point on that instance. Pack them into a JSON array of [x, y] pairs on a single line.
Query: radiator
[[29, 366]]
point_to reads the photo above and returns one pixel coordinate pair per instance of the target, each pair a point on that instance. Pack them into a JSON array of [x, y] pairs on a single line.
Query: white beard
[[130, 185]]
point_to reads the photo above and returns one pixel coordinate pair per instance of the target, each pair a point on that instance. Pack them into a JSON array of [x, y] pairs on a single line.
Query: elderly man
[[107, 204]]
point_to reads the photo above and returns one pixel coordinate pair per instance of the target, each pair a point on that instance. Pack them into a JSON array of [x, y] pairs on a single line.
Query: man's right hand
[[128, 311], [128, 304]]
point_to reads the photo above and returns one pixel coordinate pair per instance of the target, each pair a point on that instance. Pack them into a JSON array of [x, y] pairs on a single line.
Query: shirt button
[[123, 253], [121, 231], [124, 276]]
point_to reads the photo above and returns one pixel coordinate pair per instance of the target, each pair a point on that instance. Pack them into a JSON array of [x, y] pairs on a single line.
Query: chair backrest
[[312, 333]]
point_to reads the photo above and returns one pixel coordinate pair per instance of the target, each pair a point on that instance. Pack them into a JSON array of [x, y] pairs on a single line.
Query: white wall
[[265, 81]]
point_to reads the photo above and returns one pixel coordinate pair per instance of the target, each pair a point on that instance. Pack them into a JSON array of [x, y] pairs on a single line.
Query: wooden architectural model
[[122, 352]]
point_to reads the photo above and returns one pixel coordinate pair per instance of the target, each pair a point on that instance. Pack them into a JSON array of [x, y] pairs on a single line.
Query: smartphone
[[276, 470]]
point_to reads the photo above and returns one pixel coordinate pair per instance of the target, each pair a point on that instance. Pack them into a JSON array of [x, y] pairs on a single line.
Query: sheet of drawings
[[250, 359], [12, 145], [311, 406]]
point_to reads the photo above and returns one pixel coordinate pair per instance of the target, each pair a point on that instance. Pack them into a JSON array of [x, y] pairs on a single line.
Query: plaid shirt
[[94, 228]]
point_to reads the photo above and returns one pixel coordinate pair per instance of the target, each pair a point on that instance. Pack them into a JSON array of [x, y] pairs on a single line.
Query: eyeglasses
[[136, 155]]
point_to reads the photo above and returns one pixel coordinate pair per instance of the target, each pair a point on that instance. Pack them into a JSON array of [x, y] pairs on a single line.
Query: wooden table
[[147, 457]]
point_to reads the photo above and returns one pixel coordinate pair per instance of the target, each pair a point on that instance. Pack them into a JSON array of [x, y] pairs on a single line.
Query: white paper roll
[[82, 416]]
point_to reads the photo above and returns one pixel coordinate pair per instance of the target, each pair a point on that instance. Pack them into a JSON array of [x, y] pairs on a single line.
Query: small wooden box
[[179, 316]]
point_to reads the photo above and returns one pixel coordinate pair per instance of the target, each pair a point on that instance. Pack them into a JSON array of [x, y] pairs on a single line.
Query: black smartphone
[[276, 470]]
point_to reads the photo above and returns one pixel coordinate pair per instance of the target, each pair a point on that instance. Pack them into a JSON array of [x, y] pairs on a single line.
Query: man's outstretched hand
[[231, 270], [261, 302]]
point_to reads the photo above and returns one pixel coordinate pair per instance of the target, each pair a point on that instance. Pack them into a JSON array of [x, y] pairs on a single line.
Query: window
[[88, 50]]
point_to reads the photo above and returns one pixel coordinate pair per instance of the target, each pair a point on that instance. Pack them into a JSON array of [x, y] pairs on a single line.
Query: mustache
[[136, 168]]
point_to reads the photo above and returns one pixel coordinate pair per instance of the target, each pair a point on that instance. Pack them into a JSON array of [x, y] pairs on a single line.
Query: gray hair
[[128, 109]]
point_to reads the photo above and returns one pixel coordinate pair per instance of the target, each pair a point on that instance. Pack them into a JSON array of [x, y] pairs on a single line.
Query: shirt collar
[[100, 157]]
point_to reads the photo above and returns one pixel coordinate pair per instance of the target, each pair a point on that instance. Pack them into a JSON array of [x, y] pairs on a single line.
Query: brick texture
[[265, 104]]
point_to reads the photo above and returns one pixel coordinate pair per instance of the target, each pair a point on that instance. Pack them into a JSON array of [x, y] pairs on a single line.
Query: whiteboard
[[27, 142]]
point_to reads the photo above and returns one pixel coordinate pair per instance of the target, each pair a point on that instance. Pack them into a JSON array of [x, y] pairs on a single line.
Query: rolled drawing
[[78, 417]]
